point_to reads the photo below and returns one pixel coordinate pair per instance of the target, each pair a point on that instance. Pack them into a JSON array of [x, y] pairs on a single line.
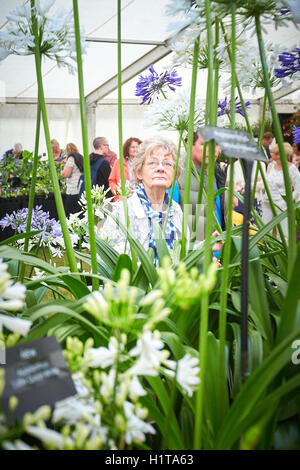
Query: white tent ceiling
[[141, 20]]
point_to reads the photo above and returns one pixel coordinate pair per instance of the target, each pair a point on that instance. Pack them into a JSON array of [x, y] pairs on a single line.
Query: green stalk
[[202, 172], [208, 233], [222, 391], [53, 174], [124, 199], [173, 181], [187, 182], [32, 185], [261, 134], [284, 164], [86, 158]]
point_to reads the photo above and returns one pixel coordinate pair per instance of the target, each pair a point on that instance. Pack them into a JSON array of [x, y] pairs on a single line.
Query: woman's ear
[[138, 176]]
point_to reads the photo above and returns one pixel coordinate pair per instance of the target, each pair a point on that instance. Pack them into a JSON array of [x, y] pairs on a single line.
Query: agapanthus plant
[[296, 134], [290, 64], [224, 107], [56, 34], [150, 86], [173, 114]]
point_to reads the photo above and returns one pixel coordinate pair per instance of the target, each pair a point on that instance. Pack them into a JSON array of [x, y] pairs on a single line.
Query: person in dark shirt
[[104, 169], [101, 146]]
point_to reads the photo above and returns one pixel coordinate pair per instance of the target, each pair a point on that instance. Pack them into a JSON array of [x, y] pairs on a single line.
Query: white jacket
[[138, 224]]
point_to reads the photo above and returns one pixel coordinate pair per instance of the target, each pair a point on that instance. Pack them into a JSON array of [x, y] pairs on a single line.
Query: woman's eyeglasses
[[154, 163]]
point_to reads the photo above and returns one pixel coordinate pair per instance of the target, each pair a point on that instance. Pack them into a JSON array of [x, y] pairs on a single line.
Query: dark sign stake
[[239, 144]]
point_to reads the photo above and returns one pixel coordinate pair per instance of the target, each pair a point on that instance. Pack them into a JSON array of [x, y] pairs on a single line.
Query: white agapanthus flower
[[71, 410], [55, 29], [136, 389], [187, 374], [17, 325], [108, 383], [150, 353], [248, 64], [136, 427], [11, 295], [104, 357], [48, 436], [99, 200], [174, 113]]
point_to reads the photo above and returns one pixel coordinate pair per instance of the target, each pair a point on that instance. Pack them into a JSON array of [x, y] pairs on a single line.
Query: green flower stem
[[202, 172], [260, 145], [173, 181], [284, 164], [198, 178], [187, 182], [208, 234], [121, 156], [86, 158], [222, 391], [32, 186], [53, 174]]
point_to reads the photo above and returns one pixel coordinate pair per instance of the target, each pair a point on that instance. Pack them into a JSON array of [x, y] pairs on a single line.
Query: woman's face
[[132, 149], [157, 170]]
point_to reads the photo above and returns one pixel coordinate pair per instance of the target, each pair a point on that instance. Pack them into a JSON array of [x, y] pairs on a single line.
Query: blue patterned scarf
[[159, 217]]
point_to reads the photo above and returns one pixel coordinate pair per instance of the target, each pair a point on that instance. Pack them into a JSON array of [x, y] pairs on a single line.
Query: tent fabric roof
[[141, 20]]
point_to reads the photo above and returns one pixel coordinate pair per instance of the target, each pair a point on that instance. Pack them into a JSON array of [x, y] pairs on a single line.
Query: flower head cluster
[[40, 221], [186, 287], [117, 306], [99, 200], [248, 65], [173, 114], [296, 135], [224, 107], [290, 64], [129, 189], [56, 36], [152, 85]]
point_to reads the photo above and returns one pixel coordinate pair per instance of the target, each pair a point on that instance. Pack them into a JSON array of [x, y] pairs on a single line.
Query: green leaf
[[162, 249], [123, 262], [174, 343], [253, 391], [59, 307], [258, 297], [289, 310], [163, 398], [19, 236]]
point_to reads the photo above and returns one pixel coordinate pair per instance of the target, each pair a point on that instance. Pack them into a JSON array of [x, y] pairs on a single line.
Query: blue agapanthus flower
[[296, 135], [151, 85], [224, 107], [290, 63], [50, 228]]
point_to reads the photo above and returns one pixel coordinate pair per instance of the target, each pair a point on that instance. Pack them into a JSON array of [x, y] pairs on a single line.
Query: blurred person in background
[[72, 172], [58, 154], [276, 185], [129, 151]]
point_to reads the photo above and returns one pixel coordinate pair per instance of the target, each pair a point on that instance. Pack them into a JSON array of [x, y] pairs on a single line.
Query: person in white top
[[276, 185], [72, 171]]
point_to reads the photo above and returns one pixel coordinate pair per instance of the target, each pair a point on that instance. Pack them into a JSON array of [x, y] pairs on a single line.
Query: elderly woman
[[153, 167], [276, 184]]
